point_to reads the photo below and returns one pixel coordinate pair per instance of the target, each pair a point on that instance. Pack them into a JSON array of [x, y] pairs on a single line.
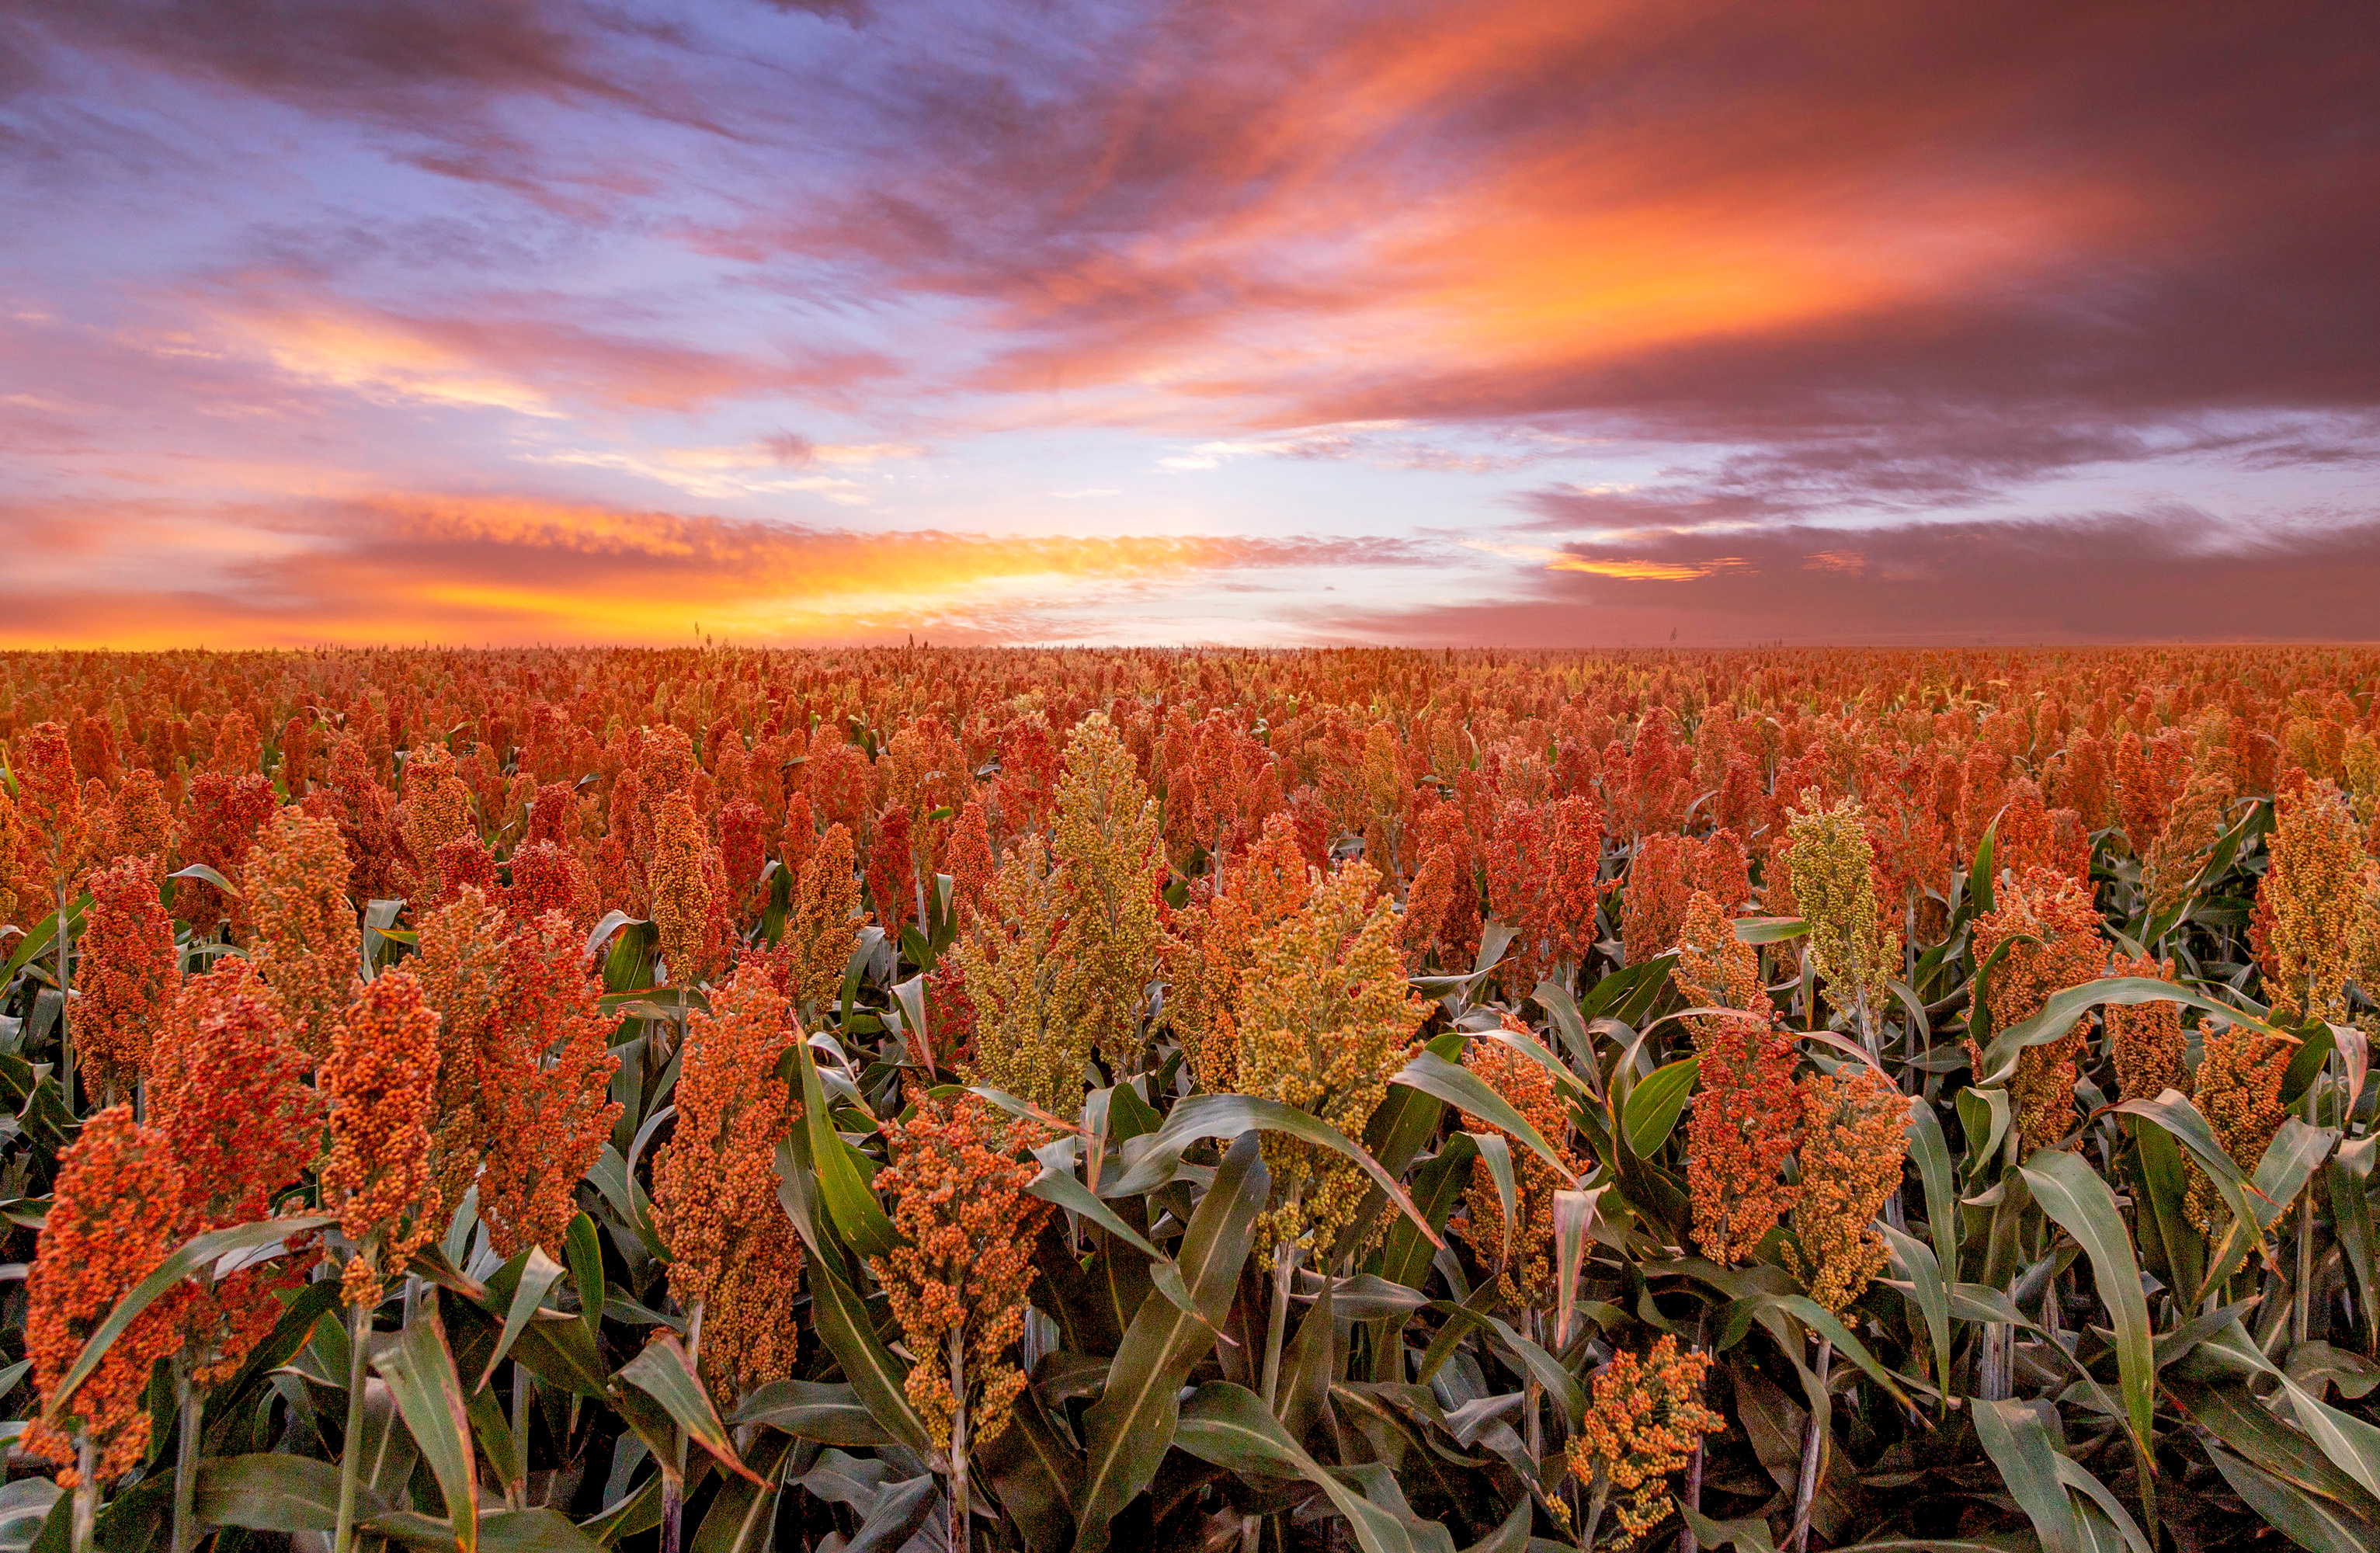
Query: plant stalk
[[958, 1537], [1285, 1269], [1595, 1510], [1814, 1445], [1692, 1496], [351, 1460], [518, 1489], [66, 1003], [86, 1493], [189, 1408]]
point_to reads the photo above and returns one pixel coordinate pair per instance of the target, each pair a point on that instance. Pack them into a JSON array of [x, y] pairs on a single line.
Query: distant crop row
[[714, 1101]]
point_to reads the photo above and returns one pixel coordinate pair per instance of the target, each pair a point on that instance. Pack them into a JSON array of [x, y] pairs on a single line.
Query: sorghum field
[[716, 1100]]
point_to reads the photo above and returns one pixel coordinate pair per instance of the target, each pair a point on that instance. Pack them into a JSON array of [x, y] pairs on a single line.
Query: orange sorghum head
[[141, 820], [959, 1200], [2146, 1037], [229, 1092], [547, 877], [49, 801], [549, 1105], [436, 809], [2051, 928], [892, 872], [128, 974], [1261, 886], [1528, 1278], [306, 942], [1716, 968], [113, 1212], [1744, 1124], [381, 1078], [1647, 1418], [461, 970], [220, 824], [681, 889], [1854, 1135], [2183, 846], [731, 1247]]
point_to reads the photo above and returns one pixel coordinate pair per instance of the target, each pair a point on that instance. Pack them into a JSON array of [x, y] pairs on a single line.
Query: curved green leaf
[[2019, 1444], [1133, 1422], [2072, 1194], [1466, 1091], [420, 1375], [1149, 1160], [1653, 1105], [1231, 1426]]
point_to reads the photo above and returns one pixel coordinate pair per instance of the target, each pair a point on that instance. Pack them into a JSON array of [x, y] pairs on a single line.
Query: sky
[[1582, 324]]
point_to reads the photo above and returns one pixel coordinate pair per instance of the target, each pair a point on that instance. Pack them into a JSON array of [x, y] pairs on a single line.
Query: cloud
[[516, 570], [2175, 575]]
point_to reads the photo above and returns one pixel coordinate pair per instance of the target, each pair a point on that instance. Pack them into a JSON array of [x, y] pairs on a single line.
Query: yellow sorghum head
[[1854, 1136], [2191, 828], [307, 942], [1528, 1278], [823, 927], [1716, 968], [1645, 1420], [1832, 862], [1325, 1021], [2239, 1087], [959, 1200], [1106, 848], [2146, 1037], [1027, 1042], [2315, 921]]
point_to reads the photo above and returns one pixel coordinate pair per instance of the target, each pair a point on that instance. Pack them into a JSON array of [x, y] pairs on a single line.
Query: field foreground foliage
[[710, 1102]]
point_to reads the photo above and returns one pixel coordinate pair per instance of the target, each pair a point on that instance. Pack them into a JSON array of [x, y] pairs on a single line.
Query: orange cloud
[[520, 570]]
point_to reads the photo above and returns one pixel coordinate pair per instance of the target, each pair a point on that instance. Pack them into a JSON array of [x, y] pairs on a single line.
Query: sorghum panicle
[[2146, 1037], [381, 1078], [731, 1247], [1324, 1022], [1854, 1136], [1528, 1278], [1106, 849], [823, 927], [1647, 1418], [1833, 866], [2315, 924], [129, 973], [548, 1071], [2051, 928], [306, 942], [113, 1209], [959, 1199]]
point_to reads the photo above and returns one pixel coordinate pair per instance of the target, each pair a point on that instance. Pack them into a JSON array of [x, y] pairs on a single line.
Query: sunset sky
[[1573, 323]]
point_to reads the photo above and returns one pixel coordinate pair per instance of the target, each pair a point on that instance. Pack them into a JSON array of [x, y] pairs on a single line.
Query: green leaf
[[1561, 1387], [1149, 1160], [193, 1253], [663, 1371], [1404, 1253], [877, 1377], [2019, 1444], [537, 1275], [1749, 1534], [1929, 1293], [1309, 1366], [900, 1509], [1133, 1422], [828, 1413], [1229, 1426], [859, 1217], [2316, 1525], [2074, 1196], [1466, 1091], [584, 1248], [1769, 929], [742, 1517], [274, 1493], [1036, 1476], [1653, 1106], [2064, 1008], [1497, 1156], [1059, 1186], [421, 1374], [200, 871], [1932, 1155]]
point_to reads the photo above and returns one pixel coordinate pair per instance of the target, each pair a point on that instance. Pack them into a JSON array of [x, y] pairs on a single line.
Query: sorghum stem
[[1284, 1266], [958, 1538], [1814, 1443], [1594, 1511], [65, 1003], [351, 1459], [86, 1493], [186, 1462], [518, 1490]]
